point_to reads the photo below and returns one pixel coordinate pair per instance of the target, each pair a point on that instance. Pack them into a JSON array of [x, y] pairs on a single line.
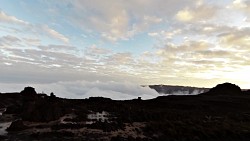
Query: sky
[[60, 45]]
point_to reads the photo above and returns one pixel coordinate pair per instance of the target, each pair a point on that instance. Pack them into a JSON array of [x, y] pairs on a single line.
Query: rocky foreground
[[221, 114]]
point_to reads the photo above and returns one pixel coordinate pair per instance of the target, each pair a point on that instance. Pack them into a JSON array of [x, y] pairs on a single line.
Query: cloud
[[111, 23], [242, 5], [31, 41], [85, 89], [172, 62], [57, 48], [34, 30], [185, 15], [199, 13], [152, 19], [47, 65], [153, 34], [94, 50], [11, 19], [238, 39], [7, 41], [54, 34], [122, 20], [120, 59]]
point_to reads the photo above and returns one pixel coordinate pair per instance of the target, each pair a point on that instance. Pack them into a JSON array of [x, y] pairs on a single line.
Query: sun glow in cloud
[[179, 42]]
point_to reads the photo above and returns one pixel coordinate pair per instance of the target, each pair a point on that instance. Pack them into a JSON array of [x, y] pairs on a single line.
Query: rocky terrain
[[220, 114]]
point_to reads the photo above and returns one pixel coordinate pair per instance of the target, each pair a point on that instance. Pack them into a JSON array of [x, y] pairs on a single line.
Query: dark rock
[[17, 126], [42, 111], [29, 94], [52, 95], [3, 138], [225, 89], [13, 109], [2, 105], [246, 92], [28, 91], [42, 95], [99, 99]]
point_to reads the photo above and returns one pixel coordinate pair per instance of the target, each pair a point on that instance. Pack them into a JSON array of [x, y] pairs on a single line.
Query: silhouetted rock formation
[[17, 126], [225, 89], [29, 91], [29, 94], [52, 95]]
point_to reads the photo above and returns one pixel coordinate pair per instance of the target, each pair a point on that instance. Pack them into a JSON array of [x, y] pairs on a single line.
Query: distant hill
[[178, 90]]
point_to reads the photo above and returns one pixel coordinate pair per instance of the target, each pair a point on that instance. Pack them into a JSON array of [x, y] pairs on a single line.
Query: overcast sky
[[178, 42]]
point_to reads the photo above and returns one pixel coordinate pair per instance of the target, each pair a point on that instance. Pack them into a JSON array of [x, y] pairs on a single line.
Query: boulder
[[29, 94]]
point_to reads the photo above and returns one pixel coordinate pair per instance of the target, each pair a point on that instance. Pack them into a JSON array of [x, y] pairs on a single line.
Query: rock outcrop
[[225, 89], [29, 91], [29, 94]]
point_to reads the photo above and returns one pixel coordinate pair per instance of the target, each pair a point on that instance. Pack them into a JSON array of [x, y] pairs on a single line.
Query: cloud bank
[[85, 89]]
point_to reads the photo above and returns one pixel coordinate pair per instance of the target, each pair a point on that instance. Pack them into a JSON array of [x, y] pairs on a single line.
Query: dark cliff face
[[225, 89]]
